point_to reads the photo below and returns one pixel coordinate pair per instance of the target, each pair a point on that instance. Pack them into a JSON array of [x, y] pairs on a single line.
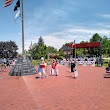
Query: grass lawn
[[35, 62], [105, 62]]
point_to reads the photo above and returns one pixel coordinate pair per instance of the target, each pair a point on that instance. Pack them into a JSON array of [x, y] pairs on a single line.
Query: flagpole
[[75, 51], [22, 28]]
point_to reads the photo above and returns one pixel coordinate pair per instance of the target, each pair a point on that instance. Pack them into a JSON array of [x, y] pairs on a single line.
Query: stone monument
[[22, 67]]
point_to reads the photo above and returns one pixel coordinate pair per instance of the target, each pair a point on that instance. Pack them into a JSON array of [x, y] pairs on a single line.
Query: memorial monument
[[22, 67]]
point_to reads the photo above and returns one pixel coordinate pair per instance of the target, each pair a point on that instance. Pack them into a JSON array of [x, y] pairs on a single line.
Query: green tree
[[95, 51], [96, 38], [40, 41], [51, 49], [8, 49], [41, 50], [105, 46]]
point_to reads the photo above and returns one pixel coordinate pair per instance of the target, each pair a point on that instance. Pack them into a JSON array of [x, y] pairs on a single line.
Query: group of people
[[42, 68], [5, 63]]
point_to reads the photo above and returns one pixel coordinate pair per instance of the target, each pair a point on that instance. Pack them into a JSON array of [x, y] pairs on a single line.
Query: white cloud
[[53, 22], [105, 16], [104, 25], [59, 38]]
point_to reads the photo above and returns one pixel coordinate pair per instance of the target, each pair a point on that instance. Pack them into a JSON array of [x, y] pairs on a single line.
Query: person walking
[[42, 67], [7, 63], [13, 63], [3, 64], [73, 69], [54, 68]]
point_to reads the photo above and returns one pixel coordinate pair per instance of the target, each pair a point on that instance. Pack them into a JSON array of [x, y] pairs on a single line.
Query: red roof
[[85, 45]]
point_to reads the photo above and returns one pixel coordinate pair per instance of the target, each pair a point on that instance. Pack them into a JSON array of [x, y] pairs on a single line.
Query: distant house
[[66, 50]]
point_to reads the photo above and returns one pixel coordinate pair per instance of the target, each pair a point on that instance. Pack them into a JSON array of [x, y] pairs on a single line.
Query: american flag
[[8, 2]]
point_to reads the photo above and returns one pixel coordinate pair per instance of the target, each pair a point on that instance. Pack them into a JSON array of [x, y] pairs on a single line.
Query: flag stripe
[[8, 2], [18, 14], [17, 5]]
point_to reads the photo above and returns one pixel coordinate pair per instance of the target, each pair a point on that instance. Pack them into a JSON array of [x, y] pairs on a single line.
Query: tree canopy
[[8, 49], [103, 49], [41, 50]]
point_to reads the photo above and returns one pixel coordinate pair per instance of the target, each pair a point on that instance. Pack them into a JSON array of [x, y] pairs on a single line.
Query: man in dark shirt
[[72, 67]]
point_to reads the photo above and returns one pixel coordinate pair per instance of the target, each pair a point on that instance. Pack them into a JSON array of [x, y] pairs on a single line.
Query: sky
[[57, 21]]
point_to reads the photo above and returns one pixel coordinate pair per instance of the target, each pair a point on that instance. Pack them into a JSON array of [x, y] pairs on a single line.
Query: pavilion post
[[75, 50]]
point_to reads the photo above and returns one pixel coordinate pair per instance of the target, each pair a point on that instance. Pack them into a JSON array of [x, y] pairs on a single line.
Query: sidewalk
[[90, 91]]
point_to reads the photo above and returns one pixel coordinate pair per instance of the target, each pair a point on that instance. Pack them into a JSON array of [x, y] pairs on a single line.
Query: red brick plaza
[[90, 91]]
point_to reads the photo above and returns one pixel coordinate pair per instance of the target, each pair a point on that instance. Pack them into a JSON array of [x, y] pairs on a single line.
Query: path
[[90, 91]]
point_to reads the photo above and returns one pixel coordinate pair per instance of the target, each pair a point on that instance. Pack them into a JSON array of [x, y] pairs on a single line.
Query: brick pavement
[[90, 91]]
